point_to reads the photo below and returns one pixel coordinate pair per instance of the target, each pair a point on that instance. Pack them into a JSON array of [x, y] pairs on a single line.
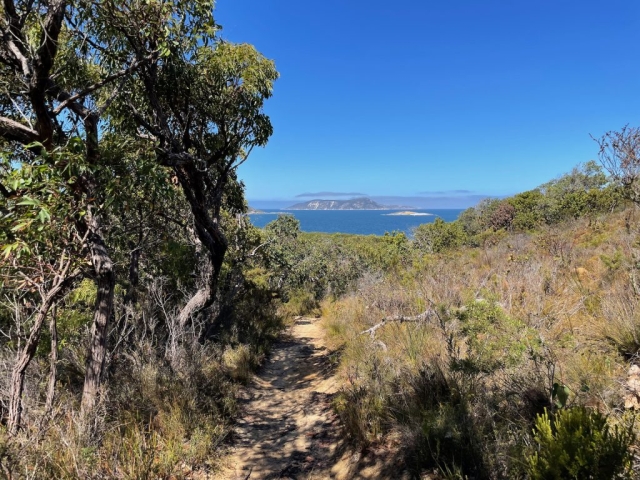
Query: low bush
[[578, 443]]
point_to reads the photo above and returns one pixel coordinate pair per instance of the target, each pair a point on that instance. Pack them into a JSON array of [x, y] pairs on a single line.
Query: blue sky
[[437, 102]]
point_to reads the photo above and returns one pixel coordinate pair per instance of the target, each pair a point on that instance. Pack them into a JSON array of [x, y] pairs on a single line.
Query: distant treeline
[[585, 191]]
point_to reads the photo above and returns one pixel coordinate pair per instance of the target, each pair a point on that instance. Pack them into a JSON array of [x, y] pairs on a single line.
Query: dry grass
[[513, 317], [155, 421]]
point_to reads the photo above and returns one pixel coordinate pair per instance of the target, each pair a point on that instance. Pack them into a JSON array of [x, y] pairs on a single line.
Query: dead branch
[[424, 316]]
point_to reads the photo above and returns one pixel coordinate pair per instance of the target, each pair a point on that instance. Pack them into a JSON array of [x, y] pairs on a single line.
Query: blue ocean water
[[359, 222]]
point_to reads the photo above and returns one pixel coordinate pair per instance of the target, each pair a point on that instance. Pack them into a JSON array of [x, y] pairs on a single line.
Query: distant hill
[[362, 203]]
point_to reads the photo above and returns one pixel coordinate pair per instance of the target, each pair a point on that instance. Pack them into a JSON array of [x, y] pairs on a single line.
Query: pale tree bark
[[215, 246], [53, 360], [60, 285], [205, 295]]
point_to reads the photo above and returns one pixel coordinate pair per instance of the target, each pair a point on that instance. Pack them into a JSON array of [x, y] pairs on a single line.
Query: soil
[[287, 429]]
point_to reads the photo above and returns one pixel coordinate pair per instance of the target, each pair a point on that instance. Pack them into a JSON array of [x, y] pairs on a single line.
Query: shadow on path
[[287, 428]]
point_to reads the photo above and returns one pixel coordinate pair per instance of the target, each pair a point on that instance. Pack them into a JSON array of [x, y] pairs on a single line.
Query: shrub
[[301, 302], [502, 216], [578, 444], [494, 340], [362, 412], [527, 210], [439, 236]]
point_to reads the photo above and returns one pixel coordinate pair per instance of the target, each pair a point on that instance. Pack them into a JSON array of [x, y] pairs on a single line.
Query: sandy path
[[287, 428]]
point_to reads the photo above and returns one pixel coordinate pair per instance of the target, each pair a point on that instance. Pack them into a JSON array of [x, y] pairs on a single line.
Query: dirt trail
[[287, 428]]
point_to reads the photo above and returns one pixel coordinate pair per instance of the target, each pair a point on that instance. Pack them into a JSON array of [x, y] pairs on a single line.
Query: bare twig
[[426, 315]]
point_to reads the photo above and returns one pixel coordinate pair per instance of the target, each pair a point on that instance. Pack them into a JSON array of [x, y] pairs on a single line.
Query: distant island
[[411, 214], [362, 203]]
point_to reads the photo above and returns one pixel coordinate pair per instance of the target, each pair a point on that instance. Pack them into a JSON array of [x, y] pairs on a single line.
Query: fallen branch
[[426, 315]]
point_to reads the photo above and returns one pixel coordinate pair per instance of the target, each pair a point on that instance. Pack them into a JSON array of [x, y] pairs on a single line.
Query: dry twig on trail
[[426, 315]]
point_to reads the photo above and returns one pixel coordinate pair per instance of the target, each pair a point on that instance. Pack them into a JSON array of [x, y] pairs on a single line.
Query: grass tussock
[[159, 418]]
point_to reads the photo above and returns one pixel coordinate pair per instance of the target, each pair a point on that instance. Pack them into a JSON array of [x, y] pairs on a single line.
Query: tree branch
[[176, 159], [48, 49], [13, 38], [45, 56], [17, 132], [104, 82], [146, 125]]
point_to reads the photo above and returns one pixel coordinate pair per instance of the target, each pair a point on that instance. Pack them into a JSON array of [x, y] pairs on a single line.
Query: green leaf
[[33, 145], [560, 394], [21, 226], [28, 201], [44, 216], [7, 249]]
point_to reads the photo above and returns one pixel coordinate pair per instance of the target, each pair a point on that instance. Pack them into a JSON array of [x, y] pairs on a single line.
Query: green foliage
[[301, 302], [578, 443], [282, 248], [613, 262], [527, 212], [494, 340], [470, 221], [37, 219], [560, 394], [585, 191], [439, 236], [306, 267]]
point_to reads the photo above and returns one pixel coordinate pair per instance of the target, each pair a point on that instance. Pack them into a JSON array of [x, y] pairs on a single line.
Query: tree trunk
[[105, 282], [212, 238], [53, 361], [28, 352], [17, 376], [206, 294]]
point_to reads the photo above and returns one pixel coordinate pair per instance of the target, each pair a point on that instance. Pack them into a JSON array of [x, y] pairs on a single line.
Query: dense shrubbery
[[480, 342], [308, 267], [170, 397], [539, 319], [584, 192], [135, 295]]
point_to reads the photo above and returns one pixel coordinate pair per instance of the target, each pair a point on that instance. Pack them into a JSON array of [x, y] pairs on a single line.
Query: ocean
[[359, 222]]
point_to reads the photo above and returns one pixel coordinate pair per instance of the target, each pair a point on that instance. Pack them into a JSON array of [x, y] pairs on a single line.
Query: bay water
[[358, 222]]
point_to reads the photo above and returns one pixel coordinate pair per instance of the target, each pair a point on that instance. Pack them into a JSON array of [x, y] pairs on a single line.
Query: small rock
[[632, 395]]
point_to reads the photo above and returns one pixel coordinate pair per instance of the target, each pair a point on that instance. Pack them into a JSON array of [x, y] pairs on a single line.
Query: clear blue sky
[[435, 99]]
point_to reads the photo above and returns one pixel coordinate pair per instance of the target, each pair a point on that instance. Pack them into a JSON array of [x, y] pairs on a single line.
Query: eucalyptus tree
[[201, 108], [151, 73], [41, 258], [51, 86]]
